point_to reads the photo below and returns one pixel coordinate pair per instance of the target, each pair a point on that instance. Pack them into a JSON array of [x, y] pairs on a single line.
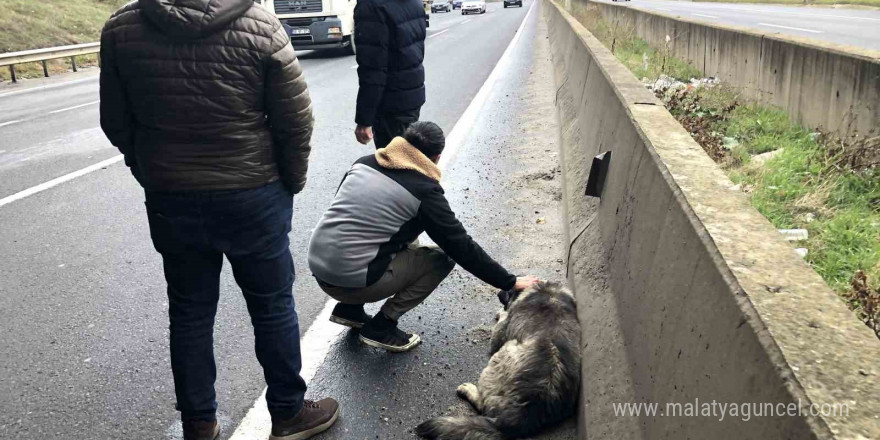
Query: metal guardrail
[[44, 55]]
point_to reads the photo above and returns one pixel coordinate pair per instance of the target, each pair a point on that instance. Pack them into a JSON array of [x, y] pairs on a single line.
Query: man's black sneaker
[[351, 315], [312, 419], [200, 430], [382, 332]]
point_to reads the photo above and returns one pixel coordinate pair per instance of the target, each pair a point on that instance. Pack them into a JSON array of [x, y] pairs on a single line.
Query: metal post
[[12, 72], [73, 63], [45, 69]]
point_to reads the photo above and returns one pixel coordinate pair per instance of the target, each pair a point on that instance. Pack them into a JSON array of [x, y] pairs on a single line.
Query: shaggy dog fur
[[533, 377]]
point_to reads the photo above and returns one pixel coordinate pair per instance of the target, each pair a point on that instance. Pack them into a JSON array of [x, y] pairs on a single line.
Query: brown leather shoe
[[200, 430], [313, 418]]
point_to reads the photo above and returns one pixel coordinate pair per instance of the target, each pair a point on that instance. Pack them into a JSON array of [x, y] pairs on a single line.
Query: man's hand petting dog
[[523, 283]]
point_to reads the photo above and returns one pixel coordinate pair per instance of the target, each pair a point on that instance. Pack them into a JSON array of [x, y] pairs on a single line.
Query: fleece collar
[[400, 155]]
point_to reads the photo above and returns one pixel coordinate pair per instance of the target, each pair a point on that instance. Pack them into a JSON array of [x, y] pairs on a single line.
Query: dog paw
[[467, 390], [501, 315]]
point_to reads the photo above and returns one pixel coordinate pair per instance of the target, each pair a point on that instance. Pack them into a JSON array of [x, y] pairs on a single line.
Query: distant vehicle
[[443, 6], [512, 2], [473, 7], [456, 4]]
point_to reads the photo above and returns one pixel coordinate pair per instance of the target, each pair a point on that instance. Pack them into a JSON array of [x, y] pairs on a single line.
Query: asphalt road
[[83, 325], [854, 27]]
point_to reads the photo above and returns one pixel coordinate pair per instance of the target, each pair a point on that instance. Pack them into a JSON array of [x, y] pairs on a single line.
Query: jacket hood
[[192, 19], [400, 155]]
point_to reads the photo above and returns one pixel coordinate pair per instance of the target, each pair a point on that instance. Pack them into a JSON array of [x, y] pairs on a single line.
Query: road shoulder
[[505, 186]]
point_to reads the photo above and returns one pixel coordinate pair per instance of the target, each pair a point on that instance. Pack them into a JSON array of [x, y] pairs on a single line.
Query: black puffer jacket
[[390, 38], [204, 95]]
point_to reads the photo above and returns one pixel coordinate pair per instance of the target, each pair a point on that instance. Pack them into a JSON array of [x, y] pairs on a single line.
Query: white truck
[[320, 24], [316, 24]]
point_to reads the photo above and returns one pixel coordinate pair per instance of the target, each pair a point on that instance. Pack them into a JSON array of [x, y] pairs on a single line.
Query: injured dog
[[533, 377]]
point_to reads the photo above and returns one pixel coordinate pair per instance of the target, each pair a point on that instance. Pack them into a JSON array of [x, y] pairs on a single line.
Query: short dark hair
[[427, 137]]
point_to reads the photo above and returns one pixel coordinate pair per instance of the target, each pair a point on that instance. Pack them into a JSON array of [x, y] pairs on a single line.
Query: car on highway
[[445, 6], [473, 7], [512, 2], [456, 4]]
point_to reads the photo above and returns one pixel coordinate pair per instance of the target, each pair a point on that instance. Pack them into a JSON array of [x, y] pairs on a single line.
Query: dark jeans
[[390, 125], [193, 231]]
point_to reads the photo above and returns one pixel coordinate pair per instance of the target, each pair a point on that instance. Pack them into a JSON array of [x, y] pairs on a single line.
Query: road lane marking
[[315, 346], [715, 8], [466, 21], [466, 122], [789, 27], [59, 180], [704, 15], [771, 11], [74, 107], [10, 123], [323, 334], [438, 33], [50, 86]]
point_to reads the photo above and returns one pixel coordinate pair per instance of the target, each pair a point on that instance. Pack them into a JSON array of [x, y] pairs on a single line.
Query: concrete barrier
[[822, 85], [686, 294]]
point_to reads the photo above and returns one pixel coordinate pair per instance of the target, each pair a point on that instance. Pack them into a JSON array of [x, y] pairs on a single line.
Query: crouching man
[[362, 248]]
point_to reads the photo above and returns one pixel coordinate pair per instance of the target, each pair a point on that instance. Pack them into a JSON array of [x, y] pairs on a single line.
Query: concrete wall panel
[[685, 291], [826, 86]]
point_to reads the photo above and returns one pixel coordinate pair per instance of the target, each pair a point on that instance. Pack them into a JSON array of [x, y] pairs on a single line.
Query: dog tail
[[459, 428]]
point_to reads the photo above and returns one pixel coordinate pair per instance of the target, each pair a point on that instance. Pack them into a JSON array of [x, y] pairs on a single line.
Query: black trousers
[[390, 125], [193, 231]]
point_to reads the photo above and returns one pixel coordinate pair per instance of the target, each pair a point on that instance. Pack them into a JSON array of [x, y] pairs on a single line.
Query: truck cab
[[316, 24], [320, 24]]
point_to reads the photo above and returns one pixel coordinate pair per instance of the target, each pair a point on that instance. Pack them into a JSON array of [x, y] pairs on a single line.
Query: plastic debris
[[795, 234], [729, 143], [761, 159]]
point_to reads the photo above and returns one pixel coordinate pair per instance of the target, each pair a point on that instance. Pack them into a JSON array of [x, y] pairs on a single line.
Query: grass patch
[[30, 24], [795, 177], [641, 58]]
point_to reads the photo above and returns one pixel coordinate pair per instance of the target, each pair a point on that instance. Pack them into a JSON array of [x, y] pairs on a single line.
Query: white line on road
[[323, 334], [789, 27], [466, 21], [464, 124], [59, 180], [802, 14], [438, 33], [704, 15], [74, 107], [3, 124], [316, 344], [50, 86]]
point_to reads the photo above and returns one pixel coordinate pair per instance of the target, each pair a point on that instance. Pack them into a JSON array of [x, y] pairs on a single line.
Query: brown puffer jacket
[[204, 95]]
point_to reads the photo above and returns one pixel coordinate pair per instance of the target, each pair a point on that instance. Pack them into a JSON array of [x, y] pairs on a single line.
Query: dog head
[[508, 297]]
